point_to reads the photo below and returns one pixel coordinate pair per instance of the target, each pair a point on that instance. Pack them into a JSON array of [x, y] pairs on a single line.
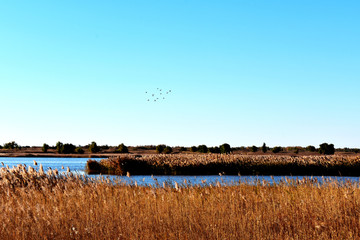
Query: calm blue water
[[77, 166]]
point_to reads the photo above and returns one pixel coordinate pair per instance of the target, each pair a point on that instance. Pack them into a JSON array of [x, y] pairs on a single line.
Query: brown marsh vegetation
[[38, 205], [231, 164]]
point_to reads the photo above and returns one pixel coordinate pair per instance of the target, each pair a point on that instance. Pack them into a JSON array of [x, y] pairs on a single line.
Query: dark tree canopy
[[202, 148], [225, 148], [277, 149], [264, 148], [45, 147], [59, 147], [167, 150], [193, 149], [160, 148], [93, 148], [254, 148], [122, 149], [327, 149], [311, 148]]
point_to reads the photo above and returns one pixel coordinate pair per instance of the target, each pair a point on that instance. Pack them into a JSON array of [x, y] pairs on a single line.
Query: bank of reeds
[[231, 164], [38, 205]]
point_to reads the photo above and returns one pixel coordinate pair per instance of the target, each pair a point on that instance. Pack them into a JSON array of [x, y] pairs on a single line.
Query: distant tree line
[[224, 148], [324, 148], [11, 145], [162, 148], [68, 148]]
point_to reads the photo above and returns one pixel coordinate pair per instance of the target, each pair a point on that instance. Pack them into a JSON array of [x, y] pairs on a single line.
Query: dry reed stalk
[[35, 205]]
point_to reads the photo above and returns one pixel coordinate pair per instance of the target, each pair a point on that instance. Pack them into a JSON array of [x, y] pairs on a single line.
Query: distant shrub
[[122, 149], [104, 147], [193, 149], [1, 147], [242, 148], [167, 150], [183, 149], [225, 148], [254, 148], [348, 150], [79, 150], [68, 148], [277, 149], [148, 147], [214, 149], [45, 148], [160, 148], [11, 145], [93, 148], [310, 148], [59, 147], [327, 149], [202, 148], [264, 148]]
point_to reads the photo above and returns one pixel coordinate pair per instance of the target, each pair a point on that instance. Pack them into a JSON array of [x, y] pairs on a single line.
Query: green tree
[[105, 147], [264, 148], [311, 148], [68, 148], [225, 148], [167, 150], [79, 150], [202, 148], [11, 145], [45, 148], [277, 149], [59, 147], [160, 148], [122, 149], [214, 149], [183, 149], [93, 148], [327, 149], [254, 148], [193, 149]]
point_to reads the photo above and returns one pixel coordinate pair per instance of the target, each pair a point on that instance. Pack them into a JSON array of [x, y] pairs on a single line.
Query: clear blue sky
[[243, 72]]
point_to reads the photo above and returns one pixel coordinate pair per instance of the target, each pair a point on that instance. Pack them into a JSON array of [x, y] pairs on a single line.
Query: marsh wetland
[[56, 198]]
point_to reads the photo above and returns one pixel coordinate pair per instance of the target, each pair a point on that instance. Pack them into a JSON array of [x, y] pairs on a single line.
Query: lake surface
[[77, 166]]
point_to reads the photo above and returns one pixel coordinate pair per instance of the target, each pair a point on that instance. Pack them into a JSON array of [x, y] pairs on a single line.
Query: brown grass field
[[38, 205]]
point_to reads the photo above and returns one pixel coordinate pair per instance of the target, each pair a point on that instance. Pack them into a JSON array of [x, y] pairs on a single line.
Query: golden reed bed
[[39, 205], [230, 164]]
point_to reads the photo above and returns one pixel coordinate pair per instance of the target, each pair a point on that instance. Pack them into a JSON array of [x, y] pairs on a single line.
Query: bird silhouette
[[156, 95]]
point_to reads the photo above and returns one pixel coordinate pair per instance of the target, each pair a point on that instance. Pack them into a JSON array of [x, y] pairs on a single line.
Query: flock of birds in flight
[[159, 95]]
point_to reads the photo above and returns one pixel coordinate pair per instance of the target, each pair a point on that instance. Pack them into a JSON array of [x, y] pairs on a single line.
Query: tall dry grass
[[38, 205]]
